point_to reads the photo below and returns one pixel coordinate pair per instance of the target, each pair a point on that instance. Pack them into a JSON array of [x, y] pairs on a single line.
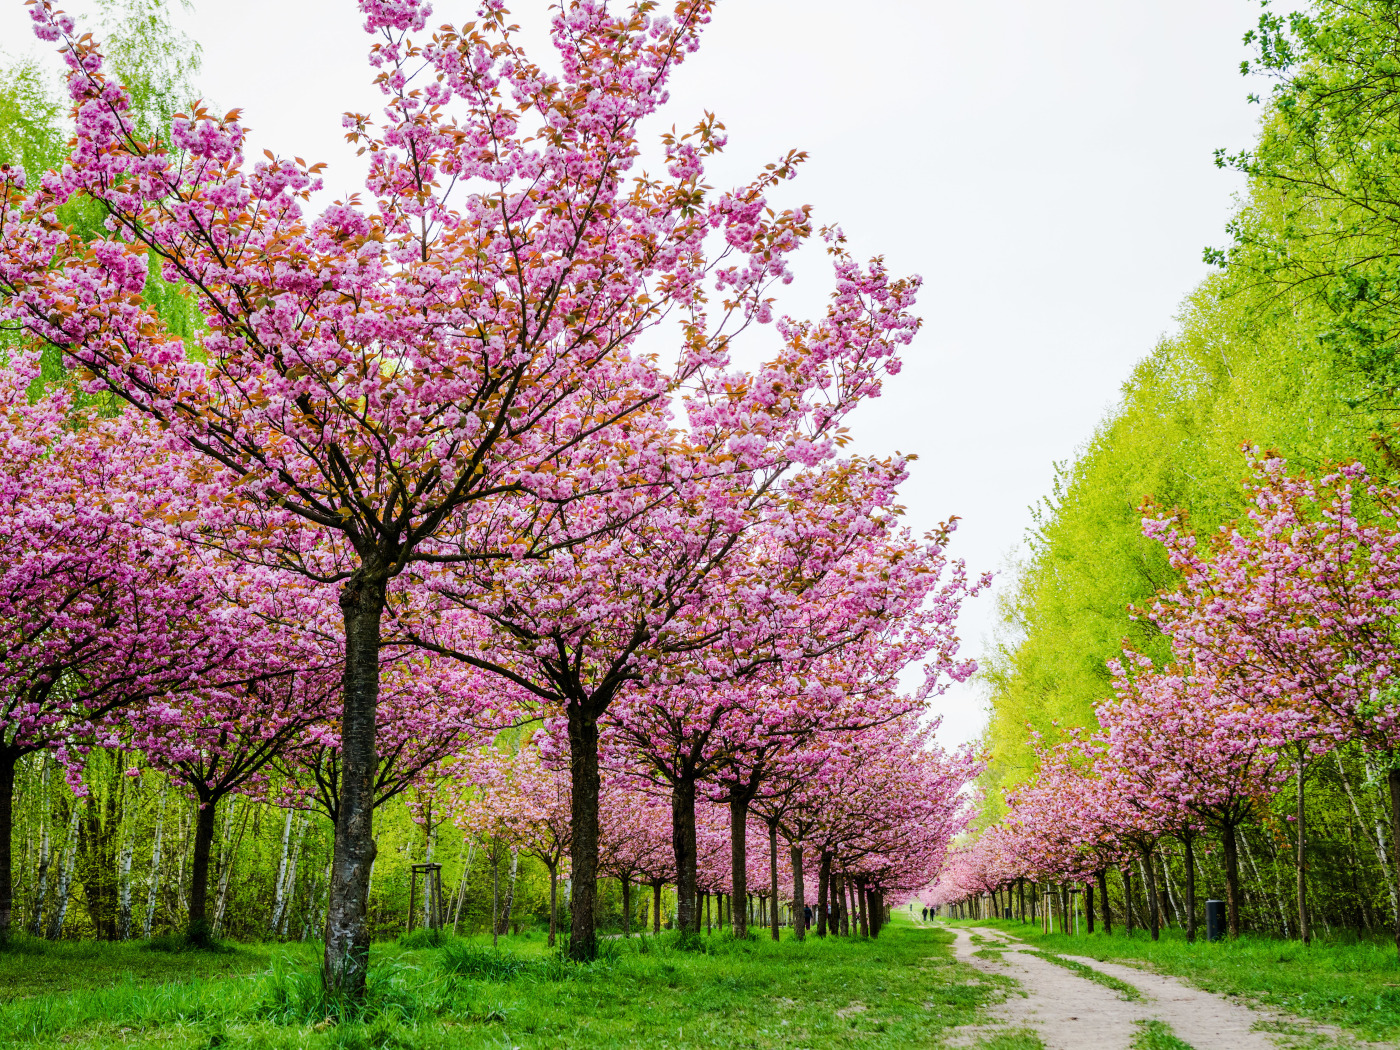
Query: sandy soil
[[1070, 1012]]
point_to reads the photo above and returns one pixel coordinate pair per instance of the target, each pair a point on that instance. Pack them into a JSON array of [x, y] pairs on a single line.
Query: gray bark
[[153, 876]]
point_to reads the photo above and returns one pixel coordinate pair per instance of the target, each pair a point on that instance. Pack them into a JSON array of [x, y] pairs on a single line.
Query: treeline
[[1290, 350], [318, 516], [115, 863]]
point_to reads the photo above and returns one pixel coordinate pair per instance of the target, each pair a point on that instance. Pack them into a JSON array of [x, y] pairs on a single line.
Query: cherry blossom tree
[[388, 375], [102, 608], [1292, 611], [634, 840], [523, 798], [1205, 753]]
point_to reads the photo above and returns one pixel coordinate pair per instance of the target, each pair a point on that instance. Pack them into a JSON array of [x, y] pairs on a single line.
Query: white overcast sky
[[1046, 165]]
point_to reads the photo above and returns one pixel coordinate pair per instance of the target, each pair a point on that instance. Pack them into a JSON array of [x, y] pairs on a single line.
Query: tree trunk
[[124, 867], [347, 929], [583, 823], [656, 908], [839, 915], [1188, 841], [226, 874], [1304, 926], [1232, 881], [510, 890], [553, 902], [1107, 911], [626, 906], [45, 845], [197, 929], [858, 907], [773, 878], [738, 862], [495, 895], [65, 875], [7, 816], [1393, 780], [153, 879], [290, 897], [1127, 872], [1088, 907], [1154, 918], [799, 894], [683, 845], [279, 887], [823, 892]]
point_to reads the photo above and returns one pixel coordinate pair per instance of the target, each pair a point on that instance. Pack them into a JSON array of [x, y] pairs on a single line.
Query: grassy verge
[[1353, 985], [30, 967], [1124, 990], [903, 990]]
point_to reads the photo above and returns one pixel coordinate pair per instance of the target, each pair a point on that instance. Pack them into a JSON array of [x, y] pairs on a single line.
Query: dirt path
[[1070, 1012]]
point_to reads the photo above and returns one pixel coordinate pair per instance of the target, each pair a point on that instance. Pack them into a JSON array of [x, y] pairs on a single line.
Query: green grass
[[1015, 1039], [903, 990], [1158, 1035], [30, 967], [1124, 990], [1354, 985]]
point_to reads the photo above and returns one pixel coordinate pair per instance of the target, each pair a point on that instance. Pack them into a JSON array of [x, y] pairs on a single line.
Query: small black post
[[1215, 920]]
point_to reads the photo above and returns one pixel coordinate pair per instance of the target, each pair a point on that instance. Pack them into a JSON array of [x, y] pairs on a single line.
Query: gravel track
[[1070, 1012]]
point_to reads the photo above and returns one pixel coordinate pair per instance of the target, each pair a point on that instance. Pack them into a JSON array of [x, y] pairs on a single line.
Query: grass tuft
[[1123, 988], [1158, 1035], [1014, 1039]]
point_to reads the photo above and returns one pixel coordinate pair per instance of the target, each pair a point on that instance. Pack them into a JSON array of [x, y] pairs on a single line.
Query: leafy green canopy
[[1245, 368], [1323, 220], [157, 63], [1295, 348]]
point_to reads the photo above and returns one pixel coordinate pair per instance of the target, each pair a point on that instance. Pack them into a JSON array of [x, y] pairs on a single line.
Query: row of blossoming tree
[[428, 472], [1283, 650]]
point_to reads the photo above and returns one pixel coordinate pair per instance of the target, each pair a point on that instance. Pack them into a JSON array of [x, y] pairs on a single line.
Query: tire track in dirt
[[1070, 1012]]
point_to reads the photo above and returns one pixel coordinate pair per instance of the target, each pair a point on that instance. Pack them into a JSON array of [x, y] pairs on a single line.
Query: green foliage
[[1324, 214], [476, 960], [157, 64], [31, 132], [1241, 371]]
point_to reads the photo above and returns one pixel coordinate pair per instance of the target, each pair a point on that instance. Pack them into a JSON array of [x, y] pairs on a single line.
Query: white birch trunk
[[291, 888], [427, 883], [124, 862], [1382, 833], [153, 876], [510, 890], [181, 898], [41, 889], [228, 867], [279, 887], [65, 877], [462, 885]]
